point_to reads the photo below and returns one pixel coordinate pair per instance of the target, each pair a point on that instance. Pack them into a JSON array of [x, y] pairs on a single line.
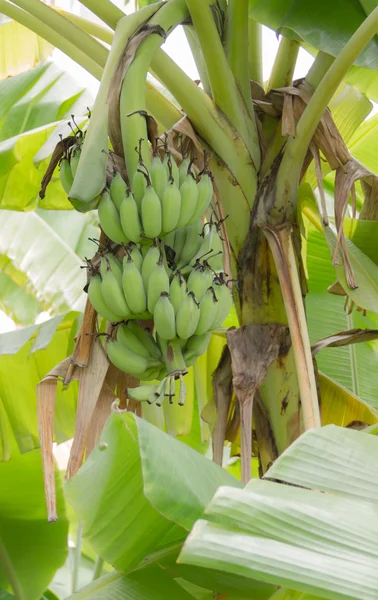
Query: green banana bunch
[[117, 189], [200, 279], [205, 195]]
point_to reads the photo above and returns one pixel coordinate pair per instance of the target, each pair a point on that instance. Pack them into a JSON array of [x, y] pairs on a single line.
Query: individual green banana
[[196, 345], [147, 339], [136, 255], [141, 393], [158, 282], [113, 295], [118, 189], [171, 168], [158, 175], [177, 290], [130, 218], [75, 157], [205, 195], [199, 280], [115, 265], [189, 198], [187, 317], [183, 170], [96, 299], [133, 287], [139, 187], [192, 244], [224, 305], [128, 361], [126, 336], [170, 207], [164, 317], [151, 213], [109, 219], [153, 373], [149, 263], [65, 174], [208, 312], [179, 244]]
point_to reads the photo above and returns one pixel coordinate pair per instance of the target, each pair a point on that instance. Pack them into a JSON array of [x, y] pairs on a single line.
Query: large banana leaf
[[46, 255], [311, 542], [31, 106], [324, 26], [160, 490], [31, 549], [22, 49]]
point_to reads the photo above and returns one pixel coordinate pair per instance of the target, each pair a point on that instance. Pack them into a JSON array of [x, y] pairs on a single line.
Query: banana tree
[[269, 147], [286, 189]]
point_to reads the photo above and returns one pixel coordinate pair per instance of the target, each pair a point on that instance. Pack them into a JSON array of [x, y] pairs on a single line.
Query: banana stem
[[65, 28], [196, 50], [319, 68], [133, 94], [59, 41], [224, 89], [97, 31], [284, 64], [104, 10], [173, 358], [237, 47], [281, 247], [295, 152], [255, 51]]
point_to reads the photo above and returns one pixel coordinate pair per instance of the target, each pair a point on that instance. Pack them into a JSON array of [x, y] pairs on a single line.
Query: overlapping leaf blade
[[157, 484], [308, 541]]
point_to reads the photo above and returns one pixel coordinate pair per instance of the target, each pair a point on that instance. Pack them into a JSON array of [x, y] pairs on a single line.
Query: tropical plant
[[287, 182]]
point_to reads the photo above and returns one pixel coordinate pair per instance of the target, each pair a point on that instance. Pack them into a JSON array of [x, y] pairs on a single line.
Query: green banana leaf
[[45, 262], [318, 544], [351, 366], [32, 105], [151, 583], [33, 352], [324, 26], [31, 549], [16, 301], [22, 49], [337, 460], [161, 489]]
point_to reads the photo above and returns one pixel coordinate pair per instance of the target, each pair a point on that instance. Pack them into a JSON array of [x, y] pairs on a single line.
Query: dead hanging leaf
[[336, 289], [253, 348], [46, 397], [369, 211], [90, 384], [60, 150], [115, 89], [319, 178], [345, 338], [88, 329], [222, 391]]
